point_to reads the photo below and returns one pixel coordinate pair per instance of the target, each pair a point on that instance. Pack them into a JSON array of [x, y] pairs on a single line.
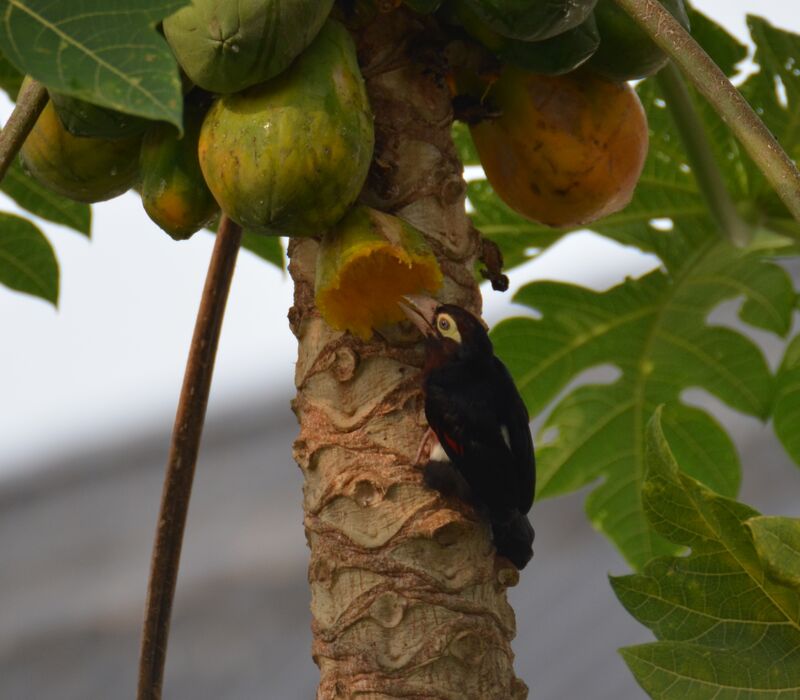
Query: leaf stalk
[[726, 100], [700, 157], [182, 459], [30, 103]]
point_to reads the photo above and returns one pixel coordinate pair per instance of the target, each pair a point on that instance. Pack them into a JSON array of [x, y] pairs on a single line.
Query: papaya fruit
[[565, 150], [625, 51], [558, 54], [174, 193], [531, 20], [81, 118], [226, 46], [366, 262], [288, 157], [424, 7], [81, 168]]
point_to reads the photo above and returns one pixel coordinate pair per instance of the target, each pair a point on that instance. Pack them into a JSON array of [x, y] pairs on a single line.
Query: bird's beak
[[420, 310]]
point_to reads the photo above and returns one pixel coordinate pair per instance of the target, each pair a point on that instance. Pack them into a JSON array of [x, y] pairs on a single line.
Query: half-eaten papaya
[[365, 264]]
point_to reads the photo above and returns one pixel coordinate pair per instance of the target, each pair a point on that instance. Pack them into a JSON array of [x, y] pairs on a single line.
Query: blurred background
[[87, 399]]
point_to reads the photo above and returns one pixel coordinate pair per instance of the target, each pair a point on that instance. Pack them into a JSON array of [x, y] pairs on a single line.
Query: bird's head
[[451, 332]]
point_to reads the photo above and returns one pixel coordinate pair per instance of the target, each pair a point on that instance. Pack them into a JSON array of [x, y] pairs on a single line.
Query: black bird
[[481, 423]]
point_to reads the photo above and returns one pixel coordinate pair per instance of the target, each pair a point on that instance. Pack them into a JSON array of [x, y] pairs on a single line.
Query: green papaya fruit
[[289, 156], [554, 56], [81, 168], [531, 20], [174, 193], [424, 7], [83, 118], [625, 51], [225, 46]]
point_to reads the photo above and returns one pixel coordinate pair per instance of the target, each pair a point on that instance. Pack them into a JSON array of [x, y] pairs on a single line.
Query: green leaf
[[654, 330], [27, 261], [726, 51], [518, 239], [40, 201], [268, 248], [463, 142], [777, 542], [727, 627], [10, 78], [786, 411], [107, 52], [774, 93]]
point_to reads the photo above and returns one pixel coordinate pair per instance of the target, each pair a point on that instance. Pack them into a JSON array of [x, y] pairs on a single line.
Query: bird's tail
[[513, 537]]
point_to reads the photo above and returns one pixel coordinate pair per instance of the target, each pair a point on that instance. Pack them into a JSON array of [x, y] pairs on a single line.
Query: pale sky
[[110, 360]]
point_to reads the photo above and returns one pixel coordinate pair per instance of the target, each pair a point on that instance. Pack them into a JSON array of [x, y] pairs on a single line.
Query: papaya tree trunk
[[407, 597]]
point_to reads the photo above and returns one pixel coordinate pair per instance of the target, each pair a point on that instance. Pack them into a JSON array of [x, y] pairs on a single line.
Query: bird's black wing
[[512, 413]]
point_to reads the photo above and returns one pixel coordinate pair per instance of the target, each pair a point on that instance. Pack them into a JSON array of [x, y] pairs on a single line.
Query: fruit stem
[[182, 459], [700, 157], [726, 100], [30, 103]]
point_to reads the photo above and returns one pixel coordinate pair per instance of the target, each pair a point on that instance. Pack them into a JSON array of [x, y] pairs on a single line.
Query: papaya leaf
[[27, 261], [655, 331], [267, 248], [40, 201], [727, 615], [774, 92], [777, 542], [107, 52], [786, 411], [725, 50], [10, 78]]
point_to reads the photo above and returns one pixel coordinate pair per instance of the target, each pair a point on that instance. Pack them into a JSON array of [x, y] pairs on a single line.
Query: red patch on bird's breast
[[453, 445]]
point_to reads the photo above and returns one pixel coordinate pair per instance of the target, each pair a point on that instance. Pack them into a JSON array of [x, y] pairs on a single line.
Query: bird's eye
[[444, 324]]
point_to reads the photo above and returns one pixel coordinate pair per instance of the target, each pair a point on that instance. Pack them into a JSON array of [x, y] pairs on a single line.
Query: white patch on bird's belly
[[506, 436], [438, 454]]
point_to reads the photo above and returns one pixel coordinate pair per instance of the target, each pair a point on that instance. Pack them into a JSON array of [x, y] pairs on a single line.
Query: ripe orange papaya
[[566, 149], [174, 193], [83, 169], [288, 157]]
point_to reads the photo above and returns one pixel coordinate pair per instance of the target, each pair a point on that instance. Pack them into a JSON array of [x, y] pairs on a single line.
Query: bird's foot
[[426, 448], [444, 477]]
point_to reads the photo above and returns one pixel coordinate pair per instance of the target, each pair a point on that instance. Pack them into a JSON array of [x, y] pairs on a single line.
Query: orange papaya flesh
[[81, 168], [567, 149], [174, 193], [365, 264]]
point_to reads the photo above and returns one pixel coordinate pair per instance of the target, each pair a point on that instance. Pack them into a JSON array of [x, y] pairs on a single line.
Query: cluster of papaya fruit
[[278, 132], [277, 129], [569, 136]]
